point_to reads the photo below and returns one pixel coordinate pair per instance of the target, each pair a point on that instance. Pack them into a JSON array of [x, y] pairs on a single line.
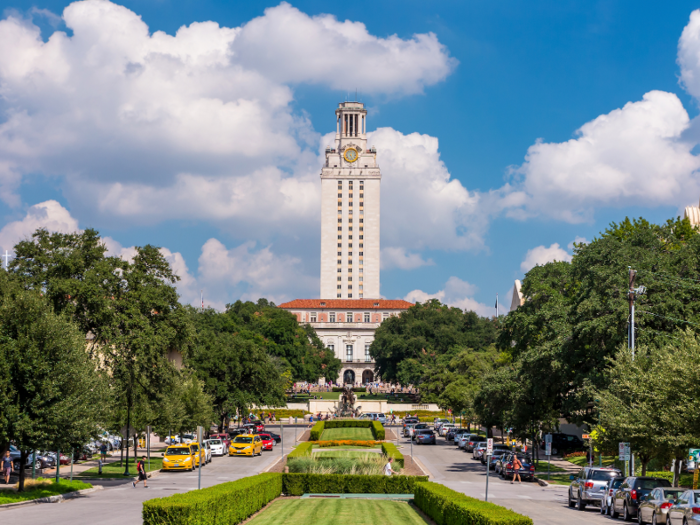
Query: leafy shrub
[[298, 484], [574, 455], [302, 450], [229, 503], [355, 389], [286, 413], [390, 451], [448, 507], [686, 480], [369, 464], [346, 443], [378, 431], [316, 431]]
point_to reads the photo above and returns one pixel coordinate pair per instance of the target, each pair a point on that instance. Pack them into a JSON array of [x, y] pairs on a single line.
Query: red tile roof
[[348, 304]]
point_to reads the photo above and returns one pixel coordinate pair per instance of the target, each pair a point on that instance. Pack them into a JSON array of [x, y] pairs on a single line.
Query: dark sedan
[[274, 436], [497, 453], [425, 436], [628, 497], [504, 466], [497, 449]]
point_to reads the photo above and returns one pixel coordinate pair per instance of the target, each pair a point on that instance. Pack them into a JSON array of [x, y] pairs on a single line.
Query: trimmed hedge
[[448, 507], [298, 484], [229, 503], [390, 451], [302, 450], [347, 443], [355, 389], [376, 427]]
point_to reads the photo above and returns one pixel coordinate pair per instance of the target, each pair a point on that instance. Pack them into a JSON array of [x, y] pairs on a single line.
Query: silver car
[[590, 485], [654, 507], [606, 502], [479, 450], [686, 510]]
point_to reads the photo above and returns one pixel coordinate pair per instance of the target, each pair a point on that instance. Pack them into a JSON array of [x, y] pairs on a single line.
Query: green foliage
[[448, 507], [43, 488], [375, 426], [298, 484], [302, 450], [390, 451], [229, 503], [344, 462]]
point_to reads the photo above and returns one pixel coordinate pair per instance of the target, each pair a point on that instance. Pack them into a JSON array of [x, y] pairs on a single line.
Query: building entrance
[[367, 377], [349, 377]]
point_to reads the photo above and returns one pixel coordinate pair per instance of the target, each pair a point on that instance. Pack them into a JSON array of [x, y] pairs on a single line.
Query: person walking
[[517, 465], [7, 466], [387, 468], [103, 452], [141, 469]]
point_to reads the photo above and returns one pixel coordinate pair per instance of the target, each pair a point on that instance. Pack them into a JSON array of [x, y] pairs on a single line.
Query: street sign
[[623, 451], [586, 436], [548, 448], [489, 447], [548, 438]]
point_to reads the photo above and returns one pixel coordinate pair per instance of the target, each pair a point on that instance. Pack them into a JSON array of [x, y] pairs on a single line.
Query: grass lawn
[[302, 398], [42, 490], [356, 433], [555, 479], [347, 453], [335, 511], [541, 466], [113, 470], [344, 447]]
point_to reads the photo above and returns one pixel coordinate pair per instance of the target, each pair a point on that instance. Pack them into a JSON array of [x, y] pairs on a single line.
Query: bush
[[448, 507], [229, 503], [390, 451], [355, 389], [376, 427], [346, 443], [685, 480], [286, 413], [298, 484], [302, 450], [370, 464]]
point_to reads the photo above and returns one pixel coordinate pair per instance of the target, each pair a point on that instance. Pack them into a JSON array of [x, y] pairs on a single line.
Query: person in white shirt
[[387, 468]]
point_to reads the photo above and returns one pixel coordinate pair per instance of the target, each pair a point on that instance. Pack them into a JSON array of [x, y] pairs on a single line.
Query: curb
[[274, 463], [541, 482], [423, 467], [52, 499]]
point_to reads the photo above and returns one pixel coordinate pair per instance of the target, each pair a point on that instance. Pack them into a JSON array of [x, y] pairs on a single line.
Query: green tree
[[51, 393]]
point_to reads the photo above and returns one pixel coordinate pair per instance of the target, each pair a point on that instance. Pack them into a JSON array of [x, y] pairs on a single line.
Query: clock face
[[350, 154]]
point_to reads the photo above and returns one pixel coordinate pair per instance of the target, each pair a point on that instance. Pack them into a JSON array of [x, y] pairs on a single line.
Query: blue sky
[[494, 81]]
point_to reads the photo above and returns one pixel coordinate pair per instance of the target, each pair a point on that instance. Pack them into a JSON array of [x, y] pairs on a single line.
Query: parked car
[[407, 429], [454, 432], [438, 422], [375, 416], [589, 485], [206, 447], [267, 441], [504, 466], [613, 485], [445, 428], [479, 449], [497, 453], [425, 436], [216, 445], [473, 440], [274, 436], [246, 445], [412, 429], [498, 449], [686, 510], [223, 437], [255, 426], [564, 443], [654, 508], [410, 420], [179, 457], [629, 494]]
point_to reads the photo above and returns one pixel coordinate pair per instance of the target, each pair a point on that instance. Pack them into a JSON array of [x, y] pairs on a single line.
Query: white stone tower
[[350, 210]]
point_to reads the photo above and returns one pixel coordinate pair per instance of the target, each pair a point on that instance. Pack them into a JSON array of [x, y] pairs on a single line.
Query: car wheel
[[639, 517], [626, 513], [580, 504], [613, 513], [571, 502], [653, 519]]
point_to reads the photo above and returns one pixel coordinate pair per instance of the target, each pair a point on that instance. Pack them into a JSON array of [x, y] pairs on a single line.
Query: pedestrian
[[141, 469], [103, 452], [387, 468], [7, 467], [517, 465]]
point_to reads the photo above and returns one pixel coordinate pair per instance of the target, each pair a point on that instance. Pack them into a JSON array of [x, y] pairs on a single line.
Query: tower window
[[361, 228], [349, 245], [349, 254], [362, 195], [339, 269], [366, 314], [361, 245], [361, 237], [350, 228], [340, 237], [340, 195], [349, 220], [361, 220], [350, 279], [350, 237], [331, 317], [348, 317], [362, 254], [340, 220], [340, 245], [360, 270], [339, 295], [361, 278], [339, 262], [349, 286], [340, 254], [350, 196], [340, 229], [340, 278], [313, 317], [349, 296], [339, 287]]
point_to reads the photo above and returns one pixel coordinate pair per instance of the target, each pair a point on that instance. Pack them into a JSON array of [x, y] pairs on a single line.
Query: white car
[[445, 427], [216, 446], [207, 451]]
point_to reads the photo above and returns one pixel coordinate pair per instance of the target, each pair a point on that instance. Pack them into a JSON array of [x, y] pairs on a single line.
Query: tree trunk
[[121, 452], [23, 461], [644, 461], [677, 470]]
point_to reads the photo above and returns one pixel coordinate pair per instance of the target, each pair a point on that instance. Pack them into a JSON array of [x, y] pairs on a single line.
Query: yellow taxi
[[179, 457], [201, 457], [246, 445]]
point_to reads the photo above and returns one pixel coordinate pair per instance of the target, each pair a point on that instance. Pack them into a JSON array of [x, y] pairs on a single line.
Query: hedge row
[[356, 389], [376, 427], [448, 507], [346, 443], [390, 451], [229, 503], [298, 484], [302, 450]]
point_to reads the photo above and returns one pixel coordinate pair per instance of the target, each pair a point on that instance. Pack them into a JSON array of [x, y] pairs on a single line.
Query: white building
[[347, 328], [350, 210], [350, 308]]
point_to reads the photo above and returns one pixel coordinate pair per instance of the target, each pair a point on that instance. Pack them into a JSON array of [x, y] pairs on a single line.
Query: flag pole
[[496, 306]]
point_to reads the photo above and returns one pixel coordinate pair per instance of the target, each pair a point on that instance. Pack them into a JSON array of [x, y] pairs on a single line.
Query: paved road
[[120, 503], [545, 505]]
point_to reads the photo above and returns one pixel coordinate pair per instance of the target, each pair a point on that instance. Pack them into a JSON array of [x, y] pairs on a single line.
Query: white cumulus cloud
[[400, 258], [457, 293], [49, 215], [542, 255]]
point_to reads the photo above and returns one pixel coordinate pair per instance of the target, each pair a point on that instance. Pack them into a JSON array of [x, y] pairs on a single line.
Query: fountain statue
[[346, 407]]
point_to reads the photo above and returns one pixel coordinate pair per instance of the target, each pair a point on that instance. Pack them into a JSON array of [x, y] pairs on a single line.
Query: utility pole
[[631, 297]]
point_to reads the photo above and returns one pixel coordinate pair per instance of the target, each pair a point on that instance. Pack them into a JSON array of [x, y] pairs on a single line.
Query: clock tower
[[350, 181]]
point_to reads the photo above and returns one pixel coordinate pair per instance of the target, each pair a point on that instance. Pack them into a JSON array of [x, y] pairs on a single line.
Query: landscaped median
[[347, 429], [233, 502], [42, 488]]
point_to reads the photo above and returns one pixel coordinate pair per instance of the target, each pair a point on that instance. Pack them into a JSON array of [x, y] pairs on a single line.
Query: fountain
[[346, 407]]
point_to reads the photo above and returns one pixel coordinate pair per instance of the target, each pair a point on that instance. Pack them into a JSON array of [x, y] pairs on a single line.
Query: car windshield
[[241, 439], [673, 494], [651, 483], [215, 441], [617, 482], [602, 475], [177, 451], [426, 431]]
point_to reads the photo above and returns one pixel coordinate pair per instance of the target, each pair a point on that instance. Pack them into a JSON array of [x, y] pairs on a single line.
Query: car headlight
[[187, 459]]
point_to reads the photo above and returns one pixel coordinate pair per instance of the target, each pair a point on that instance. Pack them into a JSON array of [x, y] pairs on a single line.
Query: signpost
[[624, 455], [694, 461], [489, 453], [548, 450], [200, 431], [148, 446]]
